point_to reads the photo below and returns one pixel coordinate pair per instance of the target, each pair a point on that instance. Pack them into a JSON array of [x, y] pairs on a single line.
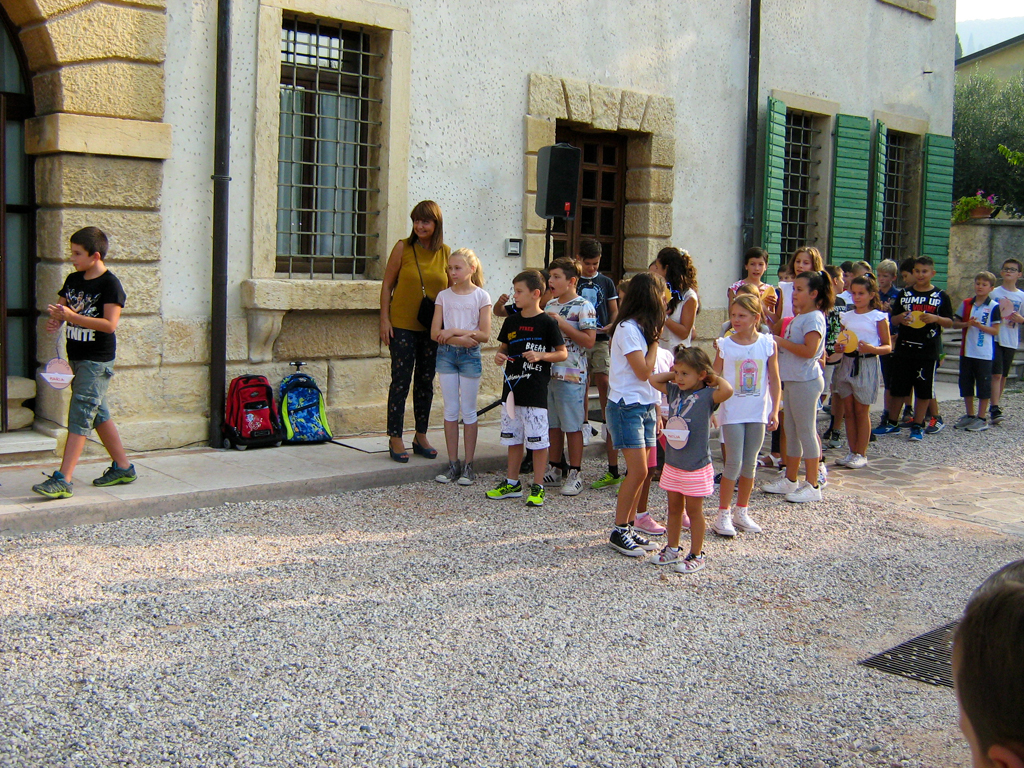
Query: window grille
[[896, 209], [799, 185], [328, 151]]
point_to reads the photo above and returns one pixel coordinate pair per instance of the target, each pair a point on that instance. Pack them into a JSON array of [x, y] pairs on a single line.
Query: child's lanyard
[[689, 401]]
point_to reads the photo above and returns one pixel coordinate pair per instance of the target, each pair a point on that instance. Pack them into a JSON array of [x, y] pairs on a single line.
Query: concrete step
[[26, 446]]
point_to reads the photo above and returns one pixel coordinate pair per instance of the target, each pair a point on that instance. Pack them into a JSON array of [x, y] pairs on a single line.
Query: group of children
[[783, 348]]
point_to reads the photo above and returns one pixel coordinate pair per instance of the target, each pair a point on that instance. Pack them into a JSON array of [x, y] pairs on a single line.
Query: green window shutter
[[774, 171], [850, 188], [936, 203], [878, 191]]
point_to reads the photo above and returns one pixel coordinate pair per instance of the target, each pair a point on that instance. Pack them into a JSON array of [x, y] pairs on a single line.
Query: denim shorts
[[88, 407], [464, 361], [565, 405], [631, 426]]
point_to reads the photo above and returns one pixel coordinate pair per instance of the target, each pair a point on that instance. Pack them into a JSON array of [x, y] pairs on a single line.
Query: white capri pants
[[800, 401], [460, 393]]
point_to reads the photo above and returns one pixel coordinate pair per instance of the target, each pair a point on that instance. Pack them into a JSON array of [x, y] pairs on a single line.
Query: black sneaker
[[995, 414], [642, 541], [623, 543]]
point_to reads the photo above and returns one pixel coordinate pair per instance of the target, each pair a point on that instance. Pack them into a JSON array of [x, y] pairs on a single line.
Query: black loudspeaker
[[558, 180]]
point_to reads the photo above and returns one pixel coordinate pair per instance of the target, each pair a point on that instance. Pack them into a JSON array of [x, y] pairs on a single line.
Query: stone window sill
[[324, 295]]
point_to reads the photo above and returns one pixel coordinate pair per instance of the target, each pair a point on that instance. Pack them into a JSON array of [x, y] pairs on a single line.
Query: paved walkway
[[956, 493]]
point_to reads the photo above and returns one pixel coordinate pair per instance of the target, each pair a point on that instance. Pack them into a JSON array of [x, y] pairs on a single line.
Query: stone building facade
[[456, 99]]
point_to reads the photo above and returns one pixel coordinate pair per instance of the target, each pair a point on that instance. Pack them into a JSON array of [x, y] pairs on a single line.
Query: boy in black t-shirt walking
[[90, 305], [529, 342]]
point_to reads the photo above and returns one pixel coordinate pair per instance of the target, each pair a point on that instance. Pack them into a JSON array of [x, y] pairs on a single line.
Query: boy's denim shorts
[[89, 395], [464, 361], [565, 405], [632, 426]]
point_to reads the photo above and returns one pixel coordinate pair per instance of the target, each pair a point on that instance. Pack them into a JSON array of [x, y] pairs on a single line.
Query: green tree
[[987, 113]]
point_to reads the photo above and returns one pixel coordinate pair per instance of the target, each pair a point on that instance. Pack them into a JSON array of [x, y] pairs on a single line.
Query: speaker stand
[[547, 244]]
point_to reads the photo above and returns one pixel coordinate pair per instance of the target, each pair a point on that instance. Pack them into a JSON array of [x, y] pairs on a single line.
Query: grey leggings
[[800, 402], [742, 442]]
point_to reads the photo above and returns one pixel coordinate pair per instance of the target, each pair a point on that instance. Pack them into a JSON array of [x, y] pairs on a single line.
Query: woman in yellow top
[[413, 352]]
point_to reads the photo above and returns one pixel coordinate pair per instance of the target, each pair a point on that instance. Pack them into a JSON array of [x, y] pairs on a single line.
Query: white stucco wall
[[470, 70]]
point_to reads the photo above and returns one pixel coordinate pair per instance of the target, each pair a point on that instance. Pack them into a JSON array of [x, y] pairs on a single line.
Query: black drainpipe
[[750, 152], [221, 166]]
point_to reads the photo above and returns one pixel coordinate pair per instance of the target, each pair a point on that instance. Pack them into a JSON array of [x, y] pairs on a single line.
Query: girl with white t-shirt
[[631, 412], [676, 267], [462, 322], [801, 349], [856, 381], [748, 360]]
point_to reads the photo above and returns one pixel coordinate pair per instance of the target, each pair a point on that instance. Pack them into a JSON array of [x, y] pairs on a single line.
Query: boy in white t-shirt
[[1010, 300], [980, 320]]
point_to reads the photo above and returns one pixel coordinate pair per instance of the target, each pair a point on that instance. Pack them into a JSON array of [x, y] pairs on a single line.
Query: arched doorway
[[17, 224]]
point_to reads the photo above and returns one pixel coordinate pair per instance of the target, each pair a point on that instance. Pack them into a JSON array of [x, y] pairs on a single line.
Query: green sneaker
[[506, 490], [606, 480], [55, 487], [114, 475], [536, 497]]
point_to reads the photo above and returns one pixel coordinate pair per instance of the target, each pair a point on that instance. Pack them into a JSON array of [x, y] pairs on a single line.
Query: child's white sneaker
[[845, 461], [857, 462], [553, 476], [723, 523], [573, 483], [805, 493], [742, 521], [782, 485]]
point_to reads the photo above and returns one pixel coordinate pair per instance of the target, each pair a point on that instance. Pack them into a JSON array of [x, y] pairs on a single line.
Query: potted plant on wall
[[976, 206]]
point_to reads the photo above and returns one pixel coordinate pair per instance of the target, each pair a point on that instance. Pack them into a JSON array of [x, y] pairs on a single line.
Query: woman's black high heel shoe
[[427, 453], [402, 457]]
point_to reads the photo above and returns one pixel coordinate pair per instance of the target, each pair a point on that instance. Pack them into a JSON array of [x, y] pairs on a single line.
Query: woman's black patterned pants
[[413, 356]]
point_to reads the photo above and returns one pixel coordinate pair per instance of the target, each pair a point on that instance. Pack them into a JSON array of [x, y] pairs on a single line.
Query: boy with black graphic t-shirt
[[90, 305], [529, 342], [921, 311]]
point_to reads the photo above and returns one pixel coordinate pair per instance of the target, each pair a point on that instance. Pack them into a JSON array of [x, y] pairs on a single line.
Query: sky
[[970, 10]]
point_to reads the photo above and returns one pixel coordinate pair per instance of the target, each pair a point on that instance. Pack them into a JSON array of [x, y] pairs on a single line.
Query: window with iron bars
[[896, 208], [800, 182], [328, 151]]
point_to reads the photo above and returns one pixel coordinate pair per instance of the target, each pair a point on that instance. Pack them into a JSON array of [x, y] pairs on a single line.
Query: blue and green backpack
[[303, 410]]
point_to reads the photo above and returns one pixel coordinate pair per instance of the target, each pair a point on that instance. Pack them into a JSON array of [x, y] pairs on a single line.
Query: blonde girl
[[693, 390], [804, 259], [748, 361], [800, 371], [859, 371], [462, 322], [632, 401], [676, 267]]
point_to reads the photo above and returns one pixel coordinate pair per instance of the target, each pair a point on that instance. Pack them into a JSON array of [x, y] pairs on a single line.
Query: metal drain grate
[[927, 658]]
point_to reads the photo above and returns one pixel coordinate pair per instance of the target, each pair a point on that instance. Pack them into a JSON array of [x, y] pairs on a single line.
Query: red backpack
[[250, 414]]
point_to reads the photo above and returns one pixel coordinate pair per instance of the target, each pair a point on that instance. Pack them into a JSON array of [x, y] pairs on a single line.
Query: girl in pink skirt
[[694, 391]]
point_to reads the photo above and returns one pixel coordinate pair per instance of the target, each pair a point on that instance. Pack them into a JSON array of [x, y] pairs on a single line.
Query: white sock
[[511, 481]]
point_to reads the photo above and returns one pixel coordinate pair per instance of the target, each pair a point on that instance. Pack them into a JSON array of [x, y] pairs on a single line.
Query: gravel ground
[[996, 451], [425, 625]]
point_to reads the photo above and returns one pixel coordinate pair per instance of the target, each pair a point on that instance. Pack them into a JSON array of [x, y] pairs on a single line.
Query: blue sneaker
[[916, 433], [886, 428]]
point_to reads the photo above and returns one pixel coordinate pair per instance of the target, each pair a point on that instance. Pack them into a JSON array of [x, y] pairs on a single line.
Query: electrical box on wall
[[514, 247]]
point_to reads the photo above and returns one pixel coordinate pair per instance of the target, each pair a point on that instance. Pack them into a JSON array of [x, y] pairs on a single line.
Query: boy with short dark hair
[[90, 304], [988, 670], [529, 342], [921, 312], [979, 318], [600, 291], [1011, 300], [848, 275]]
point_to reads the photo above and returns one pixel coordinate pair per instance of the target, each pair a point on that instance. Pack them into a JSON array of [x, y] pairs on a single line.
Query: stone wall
[[100, 143], [981, 244]]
